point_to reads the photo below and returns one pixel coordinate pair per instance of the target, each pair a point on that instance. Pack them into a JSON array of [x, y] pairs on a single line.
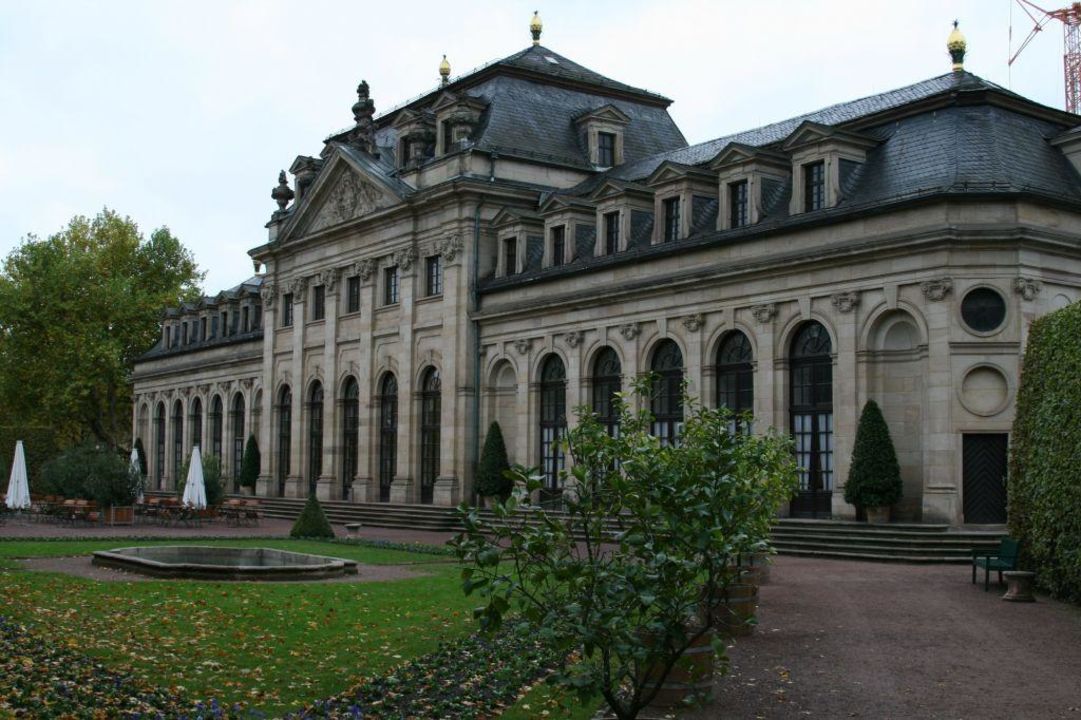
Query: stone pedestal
[[445, 492], [324, 488], [265, 486], [401, 491], [296, 487], [1019, 586]]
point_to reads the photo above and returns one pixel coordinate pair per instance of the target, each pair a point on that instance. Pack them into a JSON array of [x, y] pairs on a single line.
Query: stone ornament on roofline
[[1027, 288], [694, 322], [764, 313], [936, 290], [629, 331], [845, 302]]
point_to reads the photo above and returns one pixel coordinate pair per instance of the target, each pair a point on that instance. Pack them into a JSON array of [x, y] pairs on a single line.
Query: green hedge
[[312, 522], [1045, 457]]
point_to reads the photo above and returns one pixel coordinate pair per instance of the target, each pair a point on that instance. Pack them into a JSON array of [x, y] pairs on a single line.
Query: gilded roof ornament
[[535, 27], [956, 45], [444, 71]]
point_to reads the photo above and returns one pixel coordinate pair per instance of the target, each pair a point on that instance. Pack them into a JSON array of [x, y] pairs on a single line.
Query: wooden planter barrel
[[736, 607], [691, 678], [754, 566], [119, 515]]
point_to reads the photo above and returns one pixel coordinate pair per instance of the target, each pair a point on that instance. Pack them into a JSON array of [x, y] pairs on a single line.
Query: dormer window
[[671, 219], [611, 233], [559, 245], [814, 186], [602, 129], [606, 149], [510, 256], [737, 204], [202, 328], [403, 153]]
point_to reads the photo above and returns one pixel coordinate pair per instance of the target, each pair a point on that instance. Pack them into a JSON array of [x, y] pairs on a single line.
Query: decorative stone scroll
[[764, 313], [523, 345], [1027, 288], [694, 323], [449, 247], [936, 290], [364, 268], [845, 302], [328, 279], [573, 338], [629, 331], [297, 286], [268, 293], [405, 257]]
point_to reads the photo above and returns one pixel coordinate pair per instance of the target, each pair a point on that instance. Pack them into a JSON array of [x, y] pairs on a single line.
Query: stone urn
[[879, 515]]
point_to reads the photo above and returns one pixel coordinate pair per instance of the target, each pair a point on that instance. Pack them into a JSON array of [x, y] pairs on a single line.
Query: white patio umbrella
[[18, 497], [195, 487], [137, 470]]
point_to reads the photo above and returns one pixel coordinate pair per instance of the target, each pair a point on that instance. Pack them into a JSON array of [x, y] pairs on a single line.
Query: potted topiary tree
[[492, 481], [874, 478], [250, 465], [110, 482]]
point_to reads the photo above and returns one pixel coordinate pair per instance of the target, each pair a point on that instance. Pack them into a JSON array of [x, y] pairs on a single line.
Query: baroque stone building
[[524, 238]]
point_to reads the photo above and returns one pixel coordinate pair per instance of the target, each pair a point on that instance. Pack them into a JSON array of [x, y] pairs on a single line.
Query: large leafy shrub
[[250, 464], [629, 602], [492, 480], [93, 472], [312, 522], [874, 477], [1044, 490]]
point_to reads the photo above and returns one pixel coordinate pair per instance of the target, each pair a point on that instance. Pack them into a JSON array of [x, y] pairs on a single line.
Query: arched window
[[195, 413], [553, 424], [178, 441], [285, 436], [388, 435], [236, 418], [159, 446], [315, 436], [735, 376], [216, 426], [811, 407], [430, 407], [607, 381], [667, 401], [350, 434]]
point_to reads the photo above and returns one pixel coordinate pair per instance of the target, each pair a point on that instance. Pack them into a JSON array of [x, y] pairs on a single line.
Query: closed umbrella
[[18, 497], [137, 472], [195, 487]]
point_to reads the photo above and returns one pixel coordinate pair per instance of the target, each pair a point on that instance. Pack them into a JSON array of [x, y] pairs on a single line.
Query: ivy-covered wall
[[1045, 459]]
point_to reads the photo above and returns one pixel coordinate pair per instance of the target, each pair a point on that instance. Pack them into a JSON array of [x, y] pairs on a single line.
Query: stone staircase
[[839, 539]]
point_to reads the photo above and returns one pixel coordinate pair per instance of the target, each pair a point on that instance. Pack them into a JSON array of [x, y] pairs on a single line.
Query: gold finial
[[444, 71], [535, 27], [956, 45]]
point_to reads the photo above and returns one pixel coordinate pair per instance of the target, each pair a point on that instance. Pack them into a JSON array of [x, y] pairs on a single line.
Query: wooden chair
[[1005, 558]]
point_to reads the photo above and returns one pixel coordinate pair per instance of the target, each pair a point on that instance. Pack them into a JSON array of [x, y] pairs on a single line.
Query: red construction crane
[[1071, 58]]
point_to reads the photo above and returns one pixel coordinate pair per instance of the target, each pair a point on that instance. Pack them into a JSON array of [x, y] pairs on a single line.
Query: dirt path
[[861, 640]]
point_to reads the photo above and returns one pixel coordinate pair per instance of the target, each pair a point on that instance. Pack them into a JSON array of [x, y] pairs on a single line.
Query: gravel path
[[843, 639]]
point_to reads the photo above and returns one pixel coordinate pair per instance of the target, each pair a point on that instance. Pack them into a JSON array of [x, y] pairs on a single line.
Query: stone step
[[963, 542], [876, 557]]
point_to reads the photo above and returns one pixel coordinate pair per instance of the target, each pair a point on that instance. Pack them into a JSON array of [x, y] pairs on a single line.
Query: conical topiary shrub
[[312, 522], [874, 478], [491, 481], [250, 463]]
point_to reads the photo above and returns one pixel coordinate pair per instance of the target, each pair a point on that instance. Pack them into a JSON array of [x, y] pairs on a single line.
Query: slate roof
[[540, 59]]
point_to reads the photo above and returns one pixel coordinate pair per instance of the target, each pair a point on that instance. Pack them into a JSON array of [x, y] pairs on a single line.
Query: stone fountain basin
[[203, 562]]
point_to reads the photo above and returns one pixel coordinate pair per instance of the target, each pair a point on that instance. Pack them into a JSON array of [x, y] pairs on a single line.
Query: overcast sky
[[181, 113]]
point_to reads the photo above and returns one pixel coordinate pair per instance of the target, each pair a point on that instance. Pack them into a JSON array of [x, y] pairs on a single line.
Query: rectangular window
[[404, 145], [319, 302], [224, 324], [814, 186], [611, 233], [559, 243], [168, 337], [606, 149], [184, 330], [287, 310], [258, 321], [510, 256], [737, 204], [448, 135], [390, 285], [671, 219], [433, 275], [352, 295], [202, 328], [246, 325]]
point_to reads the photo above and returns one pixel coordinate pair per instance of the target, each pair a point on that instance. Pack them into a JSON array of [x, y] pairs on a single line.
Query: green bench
[[1005, 558]]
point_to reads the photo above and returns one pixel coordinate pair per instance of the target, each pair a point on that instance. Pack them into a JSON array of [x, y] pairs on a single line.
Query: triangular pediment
[[736, 153], [669, 171], [344, 191], [556, 203], [605, 113], [512, 216], [616, 188], [445, 99], [808, 132]]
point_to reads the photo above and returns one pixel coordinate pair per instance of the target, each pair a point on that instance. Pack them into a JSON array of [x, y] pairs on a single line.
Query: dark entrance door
[[984, 477], [811, 406]]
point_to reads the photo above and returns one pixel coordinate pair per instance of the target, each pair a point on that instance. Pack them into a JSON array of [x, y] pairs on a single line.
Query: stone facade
[[464, 259]]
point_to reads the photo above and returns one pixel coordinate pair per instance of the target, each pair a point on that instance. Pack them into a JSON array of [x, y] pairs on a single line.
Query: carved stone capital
[[297, 286], [694, 323], [523, 345], [845, 302], [246, 383], [936, 290], [1027, 288], [764, 313], [573, 338], [328, 279], [405, 257], [629, 331], [364, 268], [449, 247], [268, 293]]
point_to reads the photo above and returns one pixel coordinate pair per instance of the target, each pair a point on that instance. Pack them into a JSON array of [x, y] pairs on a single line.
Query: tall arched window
[[735, 375], [236, 417], [159, 446], [350, 434], [430, 407], [388, 435], [216, 426], [811, 407], [607, 381], [315, 436], [285, 436], [178, 441], [667, 400], [195, 413], [553, 424]]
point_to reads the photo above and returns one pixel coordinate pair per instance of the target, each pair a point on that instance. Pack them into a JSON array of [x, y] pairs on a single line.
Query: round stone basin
[[204, 562]]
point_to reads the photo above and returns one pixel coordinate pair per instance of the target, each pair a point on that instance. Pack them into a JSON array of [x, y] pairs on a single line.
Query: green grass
[[274, 646], [545, 701]]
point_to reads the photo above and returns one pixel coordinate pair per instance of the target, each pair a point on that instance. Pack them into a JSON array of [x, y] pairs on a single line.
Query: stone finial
[[956, 46], [535, 27], [363, 135], [282, 194], [936, 290], [444, 72]]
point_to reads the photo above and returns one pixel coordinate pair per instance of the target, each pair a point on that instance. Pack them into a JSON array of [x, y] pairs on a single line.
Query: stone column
[[846, 408], [329, 487], [264, 486], [456, 403], [768, 379], [365, 485], [295, 483], [694, 376], [941, 497], [404, 487]]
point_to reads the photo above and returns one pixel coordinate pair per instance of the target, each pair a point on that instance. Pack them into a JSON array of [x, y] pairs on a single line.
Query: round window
[[983, 309]]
